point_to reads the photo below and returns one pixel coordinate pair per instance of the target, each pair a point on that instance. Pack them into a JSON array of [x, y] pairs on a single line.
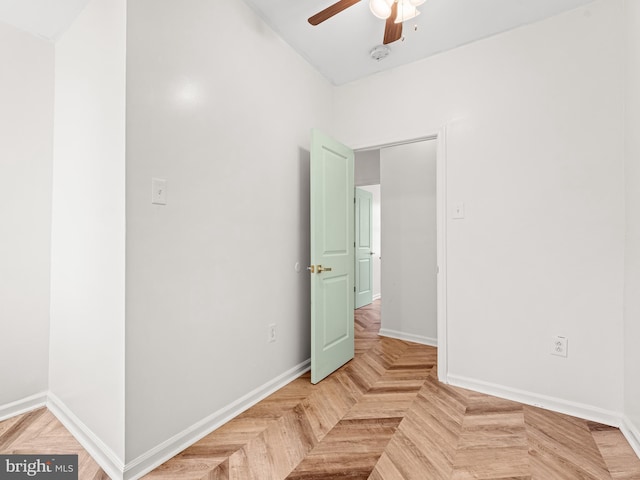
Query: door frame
[[440, 136]]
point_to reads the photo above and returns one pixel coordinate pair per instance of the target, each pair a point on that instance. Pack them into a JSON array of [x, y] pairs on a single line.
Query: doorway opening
[[409, 178], [333, 241]]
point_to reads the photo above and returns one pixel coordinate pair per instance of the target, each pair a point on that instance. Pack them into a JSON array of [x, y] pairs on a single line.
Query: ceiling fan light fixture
[[406, 11], [381, 8]]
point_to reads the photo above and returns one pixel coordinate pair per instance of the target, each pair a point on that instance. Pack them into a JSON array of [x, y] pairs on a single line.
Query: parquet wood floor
[[383, 416], [39, 432]]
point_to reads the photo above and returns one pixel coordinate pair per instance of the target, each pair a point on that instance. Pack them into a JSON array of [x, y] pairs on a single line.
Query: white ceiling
[[339, 48], [46, 19]]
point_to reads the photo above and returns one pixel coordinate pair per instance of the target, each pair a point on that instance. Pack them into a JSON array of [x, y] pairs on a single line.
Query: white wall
[[88, 224], [221, 108], [26, 131], [367, 168], [376, 241], [632, 260], [409, 266], [536, 154]]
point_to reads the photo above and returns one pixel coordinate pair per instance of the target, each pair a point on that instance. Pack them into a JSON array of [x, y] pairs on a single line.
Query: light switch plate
[[158, 191], [458, 211]]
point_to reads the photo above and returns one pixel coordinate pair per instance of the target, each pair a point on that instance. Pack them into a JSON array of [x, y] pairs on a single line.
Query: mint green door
[[364, 252], [332, 255]]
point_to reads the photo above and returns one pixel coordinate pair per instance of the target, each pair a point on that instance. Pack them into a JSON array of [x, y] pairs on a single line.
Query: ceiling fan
[[393, 11]]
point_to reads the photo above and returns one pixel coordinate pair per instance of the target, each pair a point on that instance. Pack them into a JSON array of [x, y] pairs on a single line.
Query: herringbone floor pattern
[[384, 415], [40, 433]]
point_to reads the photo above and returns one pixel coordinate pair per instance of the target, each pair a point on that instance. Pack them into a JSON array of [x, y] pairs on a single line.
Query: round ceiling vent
[[380, 52]]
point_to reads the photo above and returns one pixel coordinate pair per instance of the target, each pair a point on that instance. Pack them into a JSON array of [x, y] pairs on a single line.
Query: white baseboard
[[101, 453], [174, 445], [377, 296], [23, 406], [575, 409], [631, 433], [408, 337]]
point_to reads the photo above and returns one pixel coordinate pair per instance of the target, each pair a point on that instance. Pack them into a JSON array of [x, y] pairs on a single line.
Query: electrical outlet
[[559, 346], [272, 333]]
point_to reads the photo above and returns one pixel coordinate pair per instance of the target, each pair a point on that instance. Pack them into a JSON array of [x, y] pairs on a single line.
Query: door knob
[[311, 268], [323, 269]]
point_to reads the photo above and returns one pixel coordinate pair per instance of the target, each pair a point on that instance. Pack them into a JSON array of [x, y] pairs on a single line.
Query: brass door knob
[[323, 269]]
